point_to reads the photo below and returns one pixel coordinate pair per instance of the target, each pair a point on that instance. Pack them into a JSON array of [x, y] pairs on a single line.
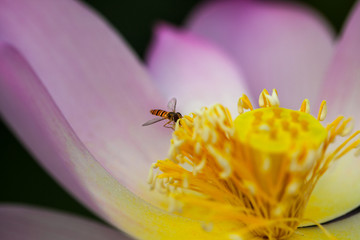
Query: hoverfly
[[172, 116]]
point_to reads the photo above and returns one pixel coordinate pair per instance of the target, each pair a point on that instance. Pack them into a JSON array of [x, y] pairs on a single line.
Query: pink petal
[[342, 85], [278, 45], [29, 109], [22, 222], [94, 79], [194, 70], [340, 186]]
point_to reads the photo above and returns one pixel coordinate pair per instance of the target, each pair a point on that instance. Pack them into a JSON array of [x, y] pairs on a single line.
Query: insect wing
[[172, 104], [152, 121]]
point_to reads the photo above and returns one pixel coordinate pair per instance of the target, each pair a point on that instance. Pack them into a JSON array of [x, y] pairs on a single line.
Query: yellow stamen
[[305, 106], [267, 100], [322, 111], [256, 172], [243, 104]]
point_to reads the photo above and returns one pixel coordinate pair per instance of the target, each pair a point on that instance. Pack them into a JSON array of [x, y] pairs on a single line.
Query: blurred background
[[22, 180]]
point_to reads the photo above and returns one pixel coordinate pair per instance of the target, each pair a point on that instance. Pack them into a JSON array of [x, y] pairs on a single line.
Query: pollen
[[255, 173]]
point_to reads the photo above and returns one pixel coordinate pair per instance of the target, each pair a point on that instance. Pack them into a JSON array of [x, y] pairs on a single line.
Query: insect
[[172, 116]]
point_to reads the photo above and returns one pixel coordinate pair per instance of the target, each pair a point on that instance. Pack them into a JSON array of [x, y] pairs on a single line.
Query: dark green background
[[22, 180]]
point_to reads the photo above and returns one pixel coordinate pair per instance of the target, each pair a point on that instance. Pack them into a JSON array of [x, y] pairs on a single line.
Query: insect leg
[[169, 122]]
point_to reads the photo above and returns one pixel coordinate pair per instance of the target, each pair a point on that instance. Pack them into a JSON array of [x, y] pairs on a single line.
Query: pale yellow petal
[[134, 215], [337, 192]]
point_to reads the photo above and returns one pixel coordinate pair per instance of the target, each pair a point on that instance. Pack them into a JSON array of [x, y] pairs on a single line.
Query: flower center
[[256, 173], [278, 131]]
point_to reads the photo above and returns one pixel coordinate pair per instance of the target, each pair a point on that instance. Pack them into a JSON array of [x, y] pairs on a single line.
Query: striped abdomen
[[160, 113]]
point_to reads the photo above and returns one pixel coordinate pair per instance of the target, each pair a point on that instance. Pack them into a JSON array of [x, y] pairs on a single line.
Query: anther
[[349, 125], [151, 173], [222, 162], [305, 106], [243, 104], [262, 99], [322, 111], [275, 102], [267, 100], [185, 183], [199, 167]]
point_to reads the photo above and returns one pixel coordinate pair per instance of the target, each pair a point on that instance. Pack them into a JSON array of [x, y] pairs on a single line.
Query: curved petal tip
[[194, 70], [277, 45]]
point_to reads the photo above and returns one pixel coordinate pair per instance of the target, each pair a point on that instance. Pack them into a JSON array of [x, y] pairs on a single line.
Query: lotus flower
[[76, 95]]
